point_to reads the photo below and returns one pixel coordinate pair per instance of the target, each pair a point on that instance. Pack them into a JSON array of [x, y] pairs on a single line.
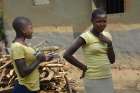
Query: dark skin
[[68, 55], [99, 25], [23, 68]]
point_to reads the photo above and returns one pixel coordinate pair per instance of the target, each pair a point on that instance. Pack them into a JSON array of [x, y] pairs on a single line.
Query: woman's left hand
[[104, 39]]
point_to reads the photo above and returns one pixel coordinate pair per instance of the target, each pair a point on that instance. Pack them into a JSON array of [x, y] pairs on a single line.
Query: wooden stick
[[3, 59], [7, 63], [2, 74], [50, 76], [52, 65]]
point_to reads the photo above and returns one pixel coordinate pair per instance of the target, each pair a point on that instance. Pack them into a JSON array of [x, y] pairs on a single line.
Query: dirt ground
[[125, 80]]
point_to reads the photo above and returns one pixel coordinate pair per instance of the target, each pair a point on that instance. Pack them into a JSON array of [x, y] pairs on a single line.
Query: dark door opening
[[114, 6], [110, 6]]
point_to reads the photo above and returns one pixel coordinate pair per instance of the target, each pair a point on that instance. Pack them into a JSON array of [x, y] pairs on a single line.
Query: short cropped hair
[[19, 24], [97, 12]]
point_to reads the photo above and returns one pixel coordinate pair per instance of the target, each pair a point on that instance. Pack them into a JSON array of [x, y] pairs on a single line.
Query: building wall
[[66, 12], [1, 7], [56, 22], [58, 12], [71, 16]]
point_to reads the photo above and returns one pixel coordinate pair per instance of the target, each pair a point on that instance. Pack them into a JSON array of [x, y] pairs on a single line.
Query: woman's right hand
[[49, 57], [41, 57]]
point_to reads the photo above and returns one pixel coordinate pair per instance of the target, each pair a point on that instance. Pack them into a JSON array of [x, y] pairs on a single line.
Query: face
[[28, 30], [100, 22]]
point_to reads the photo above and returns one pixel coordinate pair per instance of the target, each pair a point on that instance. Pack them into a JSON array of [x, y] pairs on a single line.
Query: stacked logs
[[7, 74], [53, 74]]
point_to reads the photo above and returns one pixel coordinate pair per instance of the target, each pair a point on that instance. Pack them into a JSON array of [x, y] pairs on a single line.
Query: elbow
[[65, 55], [111, 57], [112, 61], [22, 74]]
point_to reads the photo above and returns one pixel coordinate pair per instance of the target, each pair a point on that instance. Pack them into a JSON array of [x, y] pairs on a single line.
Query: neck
[[95, 32], [20, 39]]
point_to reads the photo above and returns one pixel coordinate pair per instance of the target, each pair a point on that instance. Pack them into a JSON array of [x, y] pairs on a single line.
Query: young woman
[[98, 52], [25, 61]]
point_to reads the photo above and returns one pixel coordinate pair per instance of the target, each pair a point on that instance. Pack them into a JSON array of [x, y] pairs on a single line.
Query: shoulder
[[86, 33], [85, 36], [107, 34], [16, 45]]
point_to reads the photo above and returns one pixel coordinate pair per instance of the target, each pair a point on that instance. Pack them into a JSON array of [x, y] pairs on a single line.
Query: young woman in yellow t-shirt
[[98, 52], [25, 60]]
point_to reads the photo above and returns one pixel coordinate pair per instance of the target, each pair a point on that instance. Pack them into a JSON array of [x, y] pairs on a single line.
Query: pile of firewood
[[53, 74], [7, 74]]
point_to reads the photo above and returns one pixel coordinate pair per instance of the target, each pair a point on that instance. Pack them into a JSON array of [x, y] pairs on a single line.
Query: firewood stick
[[68, 85], [3, 59], [50, 62], [2, 74], [11, 79], [50, 76], [52, 65], [55, 65], [51, 48], [41, 43], [6, 56], [6, 64]]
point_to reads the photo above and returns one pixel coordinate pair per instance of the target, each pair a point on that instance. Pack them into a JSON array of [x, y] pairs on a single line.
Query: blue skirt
[[21, 89]]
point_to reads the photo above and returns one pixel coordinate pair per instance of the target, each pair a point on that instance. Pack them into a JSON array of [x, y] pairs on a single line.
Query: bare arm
[[110, 51], [68, 55], [22, 67], [111, 54], [25, 70]]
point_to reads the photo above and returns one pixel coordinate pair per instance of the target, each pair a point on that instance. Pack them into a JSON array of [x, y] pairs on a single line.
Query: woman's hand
[[41, 57], [104, 39], [49, 57], [84, 71]]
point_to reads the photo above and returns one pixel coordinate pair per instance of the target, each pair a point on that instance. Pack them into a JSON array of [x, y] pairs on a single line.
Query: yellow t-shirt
[[95, 53], [19, 51]]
